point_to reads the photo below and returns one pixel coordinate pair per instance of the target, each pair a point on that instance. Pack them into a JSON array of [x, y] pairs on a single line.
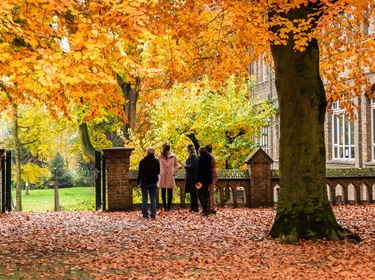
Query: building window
[[263, 70], [373, 128], [260, 70], [342, 134], [263, 141]]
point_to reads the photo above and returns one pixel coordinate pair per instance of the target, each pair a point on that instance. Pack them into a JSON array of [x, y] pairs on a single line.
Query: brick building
[[348, 144]]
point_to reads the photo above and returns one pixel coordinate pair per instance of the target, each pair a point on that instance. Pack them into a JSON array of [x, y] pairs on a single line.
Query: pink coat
[[168, 170]]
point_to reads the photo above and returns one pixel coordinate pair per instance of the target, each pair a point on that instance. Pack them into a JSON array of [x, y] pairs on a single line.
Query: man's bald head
[[150, 151]]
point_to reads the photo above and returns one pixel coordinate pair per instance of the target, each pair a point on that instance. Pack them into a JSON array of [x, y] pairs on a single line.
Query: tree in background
[[64, 176], [83, 175], [229, 118], [35, 136]]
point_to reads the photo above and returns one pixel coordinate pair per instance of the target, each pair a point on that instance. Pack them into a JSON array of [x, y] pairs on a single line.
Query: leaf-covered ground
[[177, 245]]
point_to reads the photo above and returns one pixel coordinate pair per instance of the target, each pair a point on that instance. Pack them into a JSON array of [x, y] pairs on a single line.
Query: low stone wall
[[256, 186], [233, 186]]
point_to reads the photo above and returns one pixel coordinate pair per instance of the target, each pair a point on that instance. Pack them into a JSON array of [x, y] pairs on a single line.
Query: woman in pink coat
[[168, 170]]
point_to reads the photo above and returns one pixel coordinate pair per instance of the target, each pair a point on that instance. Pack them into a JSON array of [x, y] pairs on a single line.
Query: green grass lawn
[[78, 198]]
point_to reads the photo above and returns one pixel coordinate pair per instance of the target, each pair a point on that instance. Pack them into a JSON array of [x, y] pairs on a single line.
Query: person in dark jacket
[[204, 177], [215, 176], [148, 176], [190, 173]]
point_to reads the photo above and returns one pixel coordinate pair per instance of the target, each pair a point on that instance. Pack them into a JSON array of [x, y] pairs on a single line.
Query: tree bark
[[87, 147], [193, 139], [130, 107], [17, 156], [303, 209]]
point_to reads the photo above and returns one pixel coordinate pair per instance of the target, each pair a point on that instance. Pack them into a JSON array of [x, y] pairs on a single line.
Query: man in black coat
[[148, 176], [204, 177]]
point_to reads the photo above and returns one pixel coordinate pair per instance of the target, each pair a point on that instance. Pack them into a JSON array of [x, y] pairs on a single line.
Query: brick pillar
[[119, 191], [259, 166]]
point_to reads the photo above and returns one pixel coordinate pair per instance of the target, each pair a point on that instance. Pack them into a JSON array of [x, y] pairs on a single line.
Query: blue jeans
[[146, 190]]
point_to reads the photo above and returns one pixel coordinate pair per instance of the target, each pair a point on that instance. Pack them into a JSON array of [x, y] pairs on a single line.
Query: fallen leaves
[[232, 244]]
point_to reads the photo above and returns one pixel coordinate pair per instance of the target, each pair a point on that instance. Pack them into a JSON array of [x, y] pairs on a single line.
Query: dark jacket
[[148, 171], [204, 170], [190, 172]]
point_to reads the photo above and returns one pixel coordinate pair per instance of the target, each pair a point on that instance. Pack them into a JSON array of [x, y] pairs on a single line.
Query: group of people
[[200, 178]]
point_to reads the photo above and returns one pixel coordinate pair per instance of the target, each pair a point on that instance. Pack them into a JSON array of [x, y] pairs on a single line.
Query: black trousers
[[194, 200], [204, 198], [167, 194]]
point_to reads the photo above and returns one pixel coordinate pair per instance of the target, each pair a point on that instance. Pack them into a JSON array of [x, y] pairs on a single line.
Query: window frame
[[343, 135], [264, 139]]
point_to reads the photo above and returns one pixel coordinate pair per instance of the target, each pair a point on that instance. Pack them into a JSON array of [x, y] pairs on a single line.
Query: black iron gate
[[100, 181], [6, 181]]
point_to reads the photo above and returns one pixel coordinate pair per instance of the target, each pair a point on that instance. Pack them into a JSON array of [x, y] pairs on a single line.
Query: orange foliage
[[222, 38], [62, 52]]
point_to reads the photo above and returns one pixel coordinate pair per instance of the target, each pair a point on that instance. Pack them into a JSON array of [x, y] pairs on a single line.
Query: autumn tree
[[185, 40], [35, 137], [289, 31], [70, 55], [28, 168], [303, 208], [229, 118]]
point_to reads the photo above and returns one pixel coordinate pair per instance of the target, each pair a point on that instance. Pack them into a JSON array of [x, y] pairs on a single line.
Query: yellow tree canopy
[[228, 118]]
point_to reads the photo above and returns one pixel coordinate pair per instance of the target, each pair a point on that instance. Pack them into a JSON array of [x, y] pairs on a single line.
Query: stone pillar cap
[[258, 155]]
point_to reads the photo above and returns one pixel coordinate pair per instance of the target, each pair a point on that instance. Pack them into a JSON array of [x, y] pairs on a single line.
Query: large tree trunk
[[303, 209]]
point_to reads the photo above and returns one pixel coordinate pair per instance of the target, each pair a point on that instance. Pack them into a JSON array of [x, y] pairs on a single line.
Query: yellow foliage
[[77, 55], [33, 174]]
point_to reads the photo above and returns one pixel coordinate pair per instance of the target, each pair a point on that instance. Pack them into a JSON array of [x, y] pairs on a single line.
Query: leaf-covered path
[[177, 245]]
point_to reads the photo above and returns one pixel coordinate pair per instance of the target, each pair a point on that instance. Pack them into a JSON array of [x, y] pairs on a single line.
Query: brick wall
[[119, 191]]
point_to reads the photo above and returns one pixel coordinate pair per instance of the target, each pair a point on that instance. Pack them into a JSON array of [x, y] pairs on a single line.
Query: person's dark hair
[[209, 148], [202, 150], [166, 149], [190, 147]]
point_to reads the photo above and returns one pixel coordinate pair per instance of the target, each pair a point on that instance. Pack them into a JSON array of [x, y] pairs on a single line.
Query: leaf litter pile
[[232, 244]]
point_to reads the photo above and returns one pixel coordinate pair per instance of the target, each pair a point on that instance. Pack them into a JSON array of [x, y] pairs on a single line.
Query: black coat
[[148, 171], [204, 170], [190, 172]]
